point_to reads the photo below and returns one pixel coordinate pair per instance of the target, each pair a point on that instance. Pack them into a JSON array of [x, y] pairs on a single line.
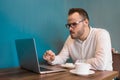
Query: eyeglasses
[[74, 24]]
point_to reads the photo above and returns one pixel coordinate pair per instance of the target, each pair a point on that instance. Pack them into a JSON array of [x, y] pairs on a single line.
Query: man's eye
[[74, 24]]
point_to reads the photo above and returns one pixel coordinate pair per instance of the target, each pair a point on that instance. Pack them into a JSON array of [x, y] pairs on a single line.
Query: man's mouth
[[71, 32]]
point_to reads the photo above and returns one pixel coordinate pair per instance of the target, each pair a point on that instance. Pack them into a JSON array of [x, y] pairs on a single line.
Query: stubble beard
[[77, 35]]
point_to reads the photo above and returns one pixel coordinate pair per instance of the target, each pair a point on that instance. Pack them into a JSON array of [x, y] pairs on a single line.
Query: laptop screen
[[27, 54]]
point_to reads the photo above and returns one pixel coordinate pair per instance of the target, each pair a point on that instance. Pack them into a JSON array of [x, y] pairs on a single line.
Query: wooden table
[[20, 74]]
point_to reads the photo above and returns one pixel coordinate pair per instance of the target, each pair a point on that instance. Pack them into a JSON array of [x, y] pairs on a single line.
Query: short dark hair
[[81, 12]]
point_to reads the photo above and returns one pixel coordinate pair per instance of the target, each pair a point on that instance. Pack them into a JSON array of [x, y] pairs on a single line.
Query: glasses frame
[[74, 24]]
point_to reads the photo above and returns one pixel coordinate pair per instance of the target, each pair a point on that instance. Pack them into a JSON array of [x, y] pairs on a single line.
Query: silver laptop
[[28, 58]]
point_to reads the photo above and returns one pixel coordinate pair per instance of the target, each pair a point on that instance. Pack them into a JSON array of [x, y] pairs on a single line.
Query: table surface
[[21, 74]]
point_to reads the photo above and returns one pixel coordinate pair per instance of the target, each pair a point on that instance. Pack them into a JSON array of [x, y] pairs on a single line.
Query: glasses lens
[[71, 25], [67, 26]]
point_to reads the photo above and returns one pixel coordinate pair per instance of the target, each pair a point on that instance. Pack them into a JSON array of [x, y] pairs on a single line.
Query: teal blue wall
[[44, 20]]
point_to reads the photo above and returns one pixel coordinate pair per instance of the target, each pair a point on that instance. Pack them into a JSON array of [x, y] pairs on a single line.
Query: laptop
[[28, 58]]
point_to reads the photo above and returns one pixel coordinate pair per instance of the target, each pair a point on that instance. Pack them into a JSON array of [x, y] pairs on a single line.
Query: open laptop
[[28, 58]]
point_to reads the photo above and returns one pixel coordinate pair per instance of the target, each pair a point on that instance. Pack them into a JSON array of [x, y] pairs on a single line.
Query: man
[[85, 44]]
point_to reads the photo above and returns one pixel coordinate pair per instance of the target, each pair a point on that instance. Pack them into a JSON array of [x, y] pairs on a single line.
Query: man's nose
[[70, 28]]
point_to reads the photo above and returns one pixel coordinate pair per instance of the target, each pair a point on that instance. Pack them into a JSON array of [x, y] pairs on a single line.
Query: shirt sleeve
[[103, 55]]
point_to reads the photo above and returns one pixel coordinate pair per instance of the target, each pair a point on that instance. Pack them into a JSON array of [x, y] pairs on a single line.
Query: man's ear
[[86, 21]]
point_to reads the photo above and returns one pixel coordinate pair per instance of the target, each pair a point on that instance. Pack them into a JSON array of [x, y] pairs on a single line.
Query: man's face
[[77, 30]]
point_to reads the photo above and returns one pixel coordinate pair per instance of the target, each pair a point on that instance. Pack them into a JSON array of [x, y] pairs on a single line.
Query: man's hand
[[49, 56]]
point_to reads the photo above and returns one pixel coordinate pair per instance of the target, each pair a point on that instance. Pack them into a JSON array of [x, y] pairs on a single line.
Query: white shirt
[[95, 50]]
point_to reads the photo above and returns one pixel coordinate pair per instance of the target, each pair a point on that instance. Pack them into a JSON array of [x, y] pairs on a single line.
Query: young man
[[84, 44]]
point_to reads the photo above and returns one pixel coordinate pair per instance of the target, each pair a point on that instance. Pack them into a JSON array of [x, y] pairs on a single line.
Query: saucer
[[74, 72]]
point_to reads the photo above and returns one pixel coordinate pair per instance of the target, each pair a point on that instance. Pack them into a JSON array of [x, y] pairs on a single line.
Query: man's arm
[[103, 57]]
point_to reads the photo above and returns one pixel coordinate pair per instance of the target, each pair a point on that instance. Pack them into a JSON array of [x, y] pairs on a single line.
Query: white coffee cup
[[82, 68]]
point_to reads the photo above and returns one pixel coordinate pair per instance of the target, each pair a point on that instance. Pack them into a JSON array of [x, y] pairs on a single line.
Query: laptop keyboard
[[44, 69]]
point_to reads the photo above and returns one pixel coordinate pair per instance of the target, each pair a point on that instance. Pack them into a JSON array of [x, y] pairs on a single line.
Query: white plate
[[67, 66], [74, 72]]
